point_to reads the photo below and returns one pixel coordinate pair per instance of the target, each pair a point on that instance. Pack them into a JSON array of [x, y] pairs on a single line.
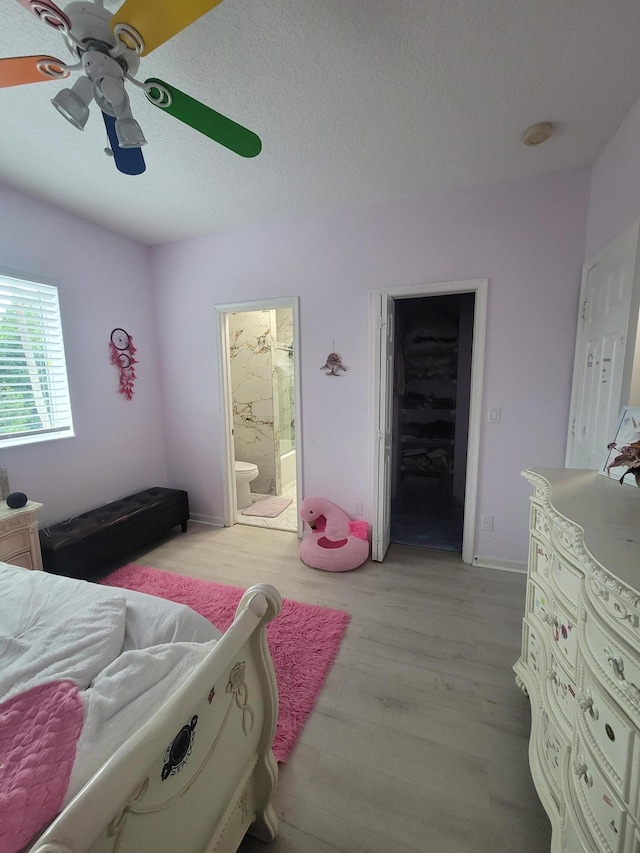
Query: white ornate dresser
[[19, 542], [580, 661]]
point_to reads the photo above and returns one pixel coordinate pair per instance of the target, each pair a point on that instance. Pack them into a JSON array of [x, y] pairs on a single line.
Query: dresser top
[[607, 511]]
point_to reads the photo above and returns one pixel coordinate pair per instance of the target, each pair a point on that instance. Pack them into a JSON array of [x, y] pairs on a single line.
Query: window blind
[[34, 392]]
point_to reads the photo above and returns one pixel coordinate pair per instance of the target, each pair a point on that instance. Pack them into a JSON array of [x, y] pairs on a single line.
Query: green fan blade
[[214, 125]]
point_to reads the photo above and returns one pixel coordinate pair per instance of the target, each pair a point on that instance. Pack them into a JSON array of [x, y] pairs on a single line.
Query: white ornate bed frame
[[200, 773]]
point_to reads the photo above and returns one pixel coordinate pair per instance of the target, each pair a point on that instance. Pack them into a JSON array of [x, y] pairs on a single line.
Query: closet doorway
[[428, 358], [259, 381], [434, 337]]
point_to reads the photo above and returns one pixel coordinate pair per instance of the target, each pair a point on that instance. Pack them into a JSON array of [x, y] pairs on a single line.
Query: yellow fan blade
[[159, 20]]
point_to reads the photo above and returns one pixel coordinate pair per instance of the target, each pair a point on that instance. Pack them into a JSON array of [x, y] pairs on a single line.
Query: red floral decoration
[[123, 356]]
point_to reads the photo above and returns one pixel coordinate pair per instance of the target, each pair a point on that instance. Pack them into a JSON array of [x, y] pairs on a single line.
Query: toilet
[[246, 472]]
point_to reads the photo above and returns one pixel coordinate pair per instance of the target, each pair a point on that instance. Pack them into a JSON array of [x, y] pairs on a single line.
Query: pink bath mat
[[303, 639], [267, 507]]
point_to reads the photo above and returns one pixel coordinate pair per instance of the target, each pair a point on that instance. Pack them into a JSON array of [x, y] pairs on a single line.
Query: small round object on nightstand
[[16, 499]]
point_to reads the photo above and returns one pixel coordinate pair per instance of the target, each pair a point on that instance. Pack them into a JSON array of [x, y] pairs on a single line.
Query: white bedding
[[125, 650]]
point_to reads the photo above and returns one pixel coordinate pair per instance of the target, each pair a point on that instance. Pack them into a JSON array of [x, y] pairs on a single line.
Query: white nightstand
[[19, 542]]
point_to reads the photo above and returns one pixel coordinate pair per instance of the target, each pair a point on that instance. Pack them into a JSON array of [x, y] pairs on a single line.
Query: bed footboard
[[200, 773]]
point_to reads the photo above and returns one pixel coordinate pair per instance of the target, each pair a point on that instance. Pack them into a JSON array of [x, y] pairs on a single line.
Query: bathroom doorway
[[259, 361]]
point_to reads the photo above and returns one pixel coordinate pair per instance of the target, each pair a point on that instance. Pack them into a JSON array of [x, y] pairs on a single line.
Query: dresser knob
[[585, 702], [582, 772], [617, 665]]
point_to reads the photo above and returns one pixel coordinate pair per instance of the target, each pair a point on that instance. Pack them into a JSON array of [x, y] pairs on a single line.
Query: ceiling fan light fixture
[[129, 133], [73, 103]]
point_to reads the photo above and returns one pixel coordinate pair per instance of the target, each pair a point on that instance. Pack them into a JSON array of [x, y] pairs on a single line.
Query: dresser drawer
[[602, 811], [532, 649], [614, 661], [539, 522], [566, 582], [14, 543], [539, 558], [559, 624], [552, 749], [563, 539], [561, 690], [611, 736], [617, 610], [573, 842]]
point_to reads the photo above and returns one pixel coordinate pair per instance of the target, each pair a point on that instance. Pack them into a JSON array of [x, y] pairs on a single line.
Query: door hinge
[[379, 435], [583, 315], [573, 427], [381, 321]]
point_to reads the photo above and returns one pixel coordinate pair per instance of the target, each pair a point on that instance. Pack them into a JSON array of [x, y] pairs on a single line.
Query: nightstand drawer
[[25, 560], [14, 543]]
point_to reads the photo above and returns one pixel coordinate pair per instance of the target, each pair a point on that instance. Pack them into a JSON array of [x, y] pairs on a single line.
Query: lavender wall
[[527, 237], [103, 282], [615, 185]]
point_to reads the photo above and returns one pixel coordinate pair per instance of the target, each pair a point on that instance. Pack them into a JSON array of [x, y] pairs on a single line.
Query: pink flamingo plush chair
[[336, 543]]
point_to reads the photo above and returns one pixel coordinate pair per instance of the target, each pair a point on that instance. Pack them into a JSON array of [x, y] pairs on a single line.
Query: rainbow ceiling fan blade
[[129, 161], [221, 129], [158, 20], [106, 51], [48, 13], [20, 70]]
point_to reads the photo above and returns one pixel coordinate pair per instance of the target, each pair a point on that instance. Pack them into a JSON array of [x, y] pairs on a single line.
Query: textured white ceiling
[[356, 102]]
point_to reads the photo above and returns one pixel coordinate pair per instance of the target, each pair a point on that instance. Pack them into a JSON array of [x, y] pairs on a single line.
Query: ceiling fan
[[106, 50]]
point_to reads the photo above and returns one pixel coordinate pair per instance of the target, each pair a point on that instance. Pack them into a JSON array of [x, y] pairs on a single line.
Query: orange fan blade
[[19, 70], [159, 20]]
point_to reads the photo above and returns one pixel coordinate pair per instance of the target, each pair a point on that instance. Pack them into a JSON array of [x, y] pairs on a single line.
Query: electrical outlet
[[357, 508], [487, 522]]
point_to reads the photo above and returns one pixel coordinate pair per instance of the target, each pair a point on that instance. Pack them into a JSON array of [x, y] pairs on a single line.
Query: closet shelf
[[425, 410], [427, 442]]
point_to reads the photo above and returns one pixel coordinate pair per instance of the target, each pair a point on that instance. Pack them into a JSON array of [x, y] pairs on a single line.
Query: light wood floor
[[418, 741]]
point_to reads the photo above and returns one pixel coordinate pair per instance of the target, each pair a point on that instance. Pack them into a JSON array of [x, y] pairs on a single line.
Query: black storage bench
[[109, 533]]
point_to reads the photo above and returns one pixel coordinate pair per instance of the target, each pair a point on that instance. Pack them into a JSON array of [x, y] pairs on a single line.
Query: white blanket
[[125, 650]]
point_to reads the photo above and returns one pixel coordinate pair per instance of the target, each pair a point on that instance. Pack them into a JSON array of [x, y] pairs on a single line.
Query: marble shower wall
[[284, 391], [252, 340]]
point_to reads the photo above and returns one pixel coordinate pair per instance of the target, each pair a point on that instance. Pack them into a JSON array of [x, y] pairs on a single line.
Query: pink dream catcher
[[122, 355]]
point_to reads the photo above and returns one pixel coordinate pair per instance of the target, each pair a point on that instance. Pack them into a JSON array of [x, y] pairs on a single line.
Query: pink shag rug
[[304, 639]]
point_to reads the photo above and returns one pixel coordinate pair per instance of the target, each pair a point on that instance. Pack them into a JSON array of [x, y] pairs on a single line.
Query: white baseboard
[[211, 520], [500, 565]]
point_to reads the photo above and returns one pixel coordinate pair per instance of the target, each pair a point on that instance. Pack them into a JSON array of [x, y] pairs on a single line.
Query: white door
[[604, 350], [383, 426]]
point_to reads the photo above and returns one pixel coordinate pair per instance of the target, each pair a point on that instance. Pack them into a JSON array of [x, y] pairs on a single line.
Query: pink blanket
[[39, 731]]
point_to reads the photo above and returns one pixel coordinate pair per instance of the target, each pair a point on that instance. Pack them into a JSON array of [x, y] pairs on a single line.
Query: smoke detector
[[537, 134]]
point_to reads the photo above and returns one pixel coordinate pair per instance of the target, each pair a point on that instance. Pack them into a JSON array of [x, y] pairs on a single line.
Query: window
[[34, 394]]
